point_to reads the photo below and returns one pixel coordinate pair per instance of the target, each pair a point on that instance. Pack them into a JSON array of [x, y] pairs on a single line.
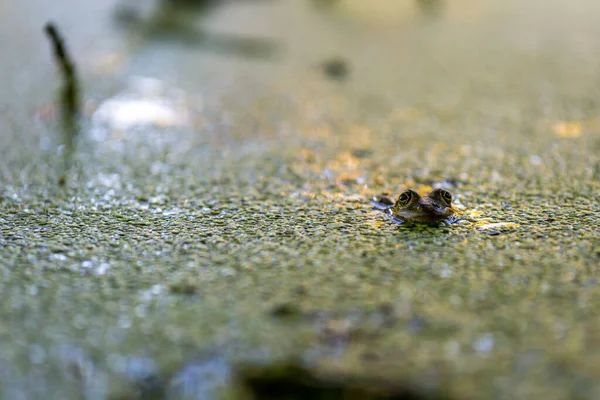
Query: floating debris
[[69, 98], [362, 152], [496, 226], [286, 310], [184, 287], [336, 68]]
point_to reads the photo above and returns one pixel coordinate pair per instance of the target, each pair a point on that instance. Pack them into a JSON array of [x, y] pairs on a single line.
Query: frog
[[412, 207]]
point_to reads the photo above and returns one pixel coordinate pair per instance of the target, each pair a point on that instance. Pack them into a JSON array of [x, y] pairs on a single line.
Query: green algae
[[265, 247]]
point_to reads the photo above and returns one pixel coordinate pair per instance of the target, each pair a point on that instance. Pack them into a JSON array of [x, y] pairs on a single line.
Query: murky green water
[[218, 212]]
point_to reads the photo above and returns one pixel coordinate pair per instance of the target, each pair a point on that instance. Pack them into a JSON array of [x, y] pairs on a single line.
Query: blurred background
[[203, 225]]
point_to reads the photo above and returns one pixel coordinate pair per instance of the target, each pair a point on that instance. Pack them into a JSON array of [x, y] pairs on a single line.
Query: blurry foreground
[[213, 237]]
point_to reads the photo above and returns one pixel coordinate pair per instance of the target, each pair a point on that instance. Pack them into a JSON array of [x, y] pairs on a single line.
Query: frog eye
[[405, 198], [447, 196]]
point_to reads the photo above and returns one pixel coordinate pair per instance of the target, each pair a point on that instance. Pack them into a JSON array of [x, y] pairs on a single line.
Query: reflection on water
[[176, 21], [144, 103]]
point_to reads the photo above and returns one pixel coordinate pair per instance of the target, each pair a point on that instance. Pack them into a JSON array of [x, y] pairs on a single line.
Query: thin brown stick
[[70, 90], [69, 95]]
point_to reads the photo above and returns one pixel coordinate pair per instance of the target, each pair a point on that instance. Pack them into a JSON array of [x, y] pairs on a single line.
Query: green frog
[[412, 207]]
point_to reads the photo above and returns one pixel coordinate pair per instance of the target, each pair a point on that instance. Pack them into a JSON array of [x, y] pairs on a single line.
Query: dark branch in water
[[69, 93]]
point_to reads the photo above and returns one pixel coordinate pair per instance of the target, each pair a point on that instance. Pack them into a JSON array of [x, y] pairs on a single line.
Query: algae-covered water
[[215, 212]]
